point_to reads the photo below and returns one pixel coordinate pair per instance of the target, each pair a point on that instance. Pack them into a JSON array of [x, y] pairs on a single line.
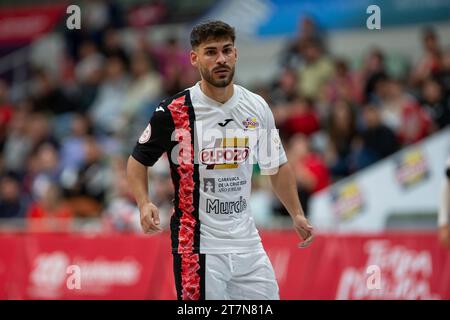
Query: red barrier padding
[[387, 266]]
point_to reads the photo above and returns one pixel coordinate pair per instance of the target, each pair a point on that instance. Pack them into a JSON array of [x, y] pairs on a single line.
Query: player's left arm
[[285, 188], [443, 212], [272, 161]]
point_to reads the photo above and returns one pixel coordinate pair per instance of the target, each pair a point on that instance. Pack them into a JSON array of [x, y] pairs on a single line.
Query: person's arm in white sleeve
[[273, 161], [443, 214], [285, 188]]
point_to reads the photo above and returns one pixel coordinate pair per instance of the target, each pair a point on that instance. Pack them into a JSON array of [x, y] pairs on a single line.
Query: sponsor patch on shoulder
[[250, 123], [145, 136]]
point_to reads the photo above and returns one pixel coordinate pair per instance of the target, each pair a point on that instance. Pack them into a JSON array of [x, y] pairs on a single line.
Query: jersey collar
[[204, 99]]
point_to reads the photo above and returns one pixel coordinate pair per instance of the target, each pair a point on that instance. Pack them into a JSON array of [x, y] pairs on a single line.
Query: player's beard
[[219, 83]]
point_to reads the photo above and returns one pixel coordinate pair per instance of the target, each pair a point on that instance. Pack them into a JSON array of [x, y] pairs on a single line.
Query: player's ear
[[235, 53], [194, 58]]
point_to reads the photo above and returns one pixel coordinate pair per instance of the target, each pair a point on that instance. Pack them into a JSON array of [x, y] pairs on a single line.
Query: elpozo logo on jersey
[[411, 168], [227, 153]]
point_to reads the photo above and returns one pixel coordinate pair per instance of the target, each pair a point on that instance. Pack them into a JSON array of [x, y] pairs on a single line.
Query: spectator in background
[[444, 209], [47, 96], [281, 95], [444, 75], [47, 165], [341, 131], [430, 63], [376, 141], [310, 170], [72, 147], [106, 110], [89, 184], [6, 112], [373, 71], [13, 202], [88, 74], [18, 143], [50, 211], [435, 104], [39, 131], [91, 62], [292, 56], [112, 47], [43, 169], [315, 72], [173, 64], [99, 16], [402, 113], [145, 88], [28, 133], [343, 85], [301, 118], [285, 89]]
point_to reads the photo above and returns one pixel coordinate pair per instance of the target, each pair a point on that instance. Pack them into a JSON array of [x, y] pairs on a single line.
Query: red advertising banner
[[388, 266], [112, 267], [24, 24]]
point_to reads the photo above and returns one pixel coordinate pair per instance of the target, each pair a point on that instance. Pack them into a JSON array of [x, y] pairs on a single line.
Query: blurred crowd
[[336, 117], [64, 145]]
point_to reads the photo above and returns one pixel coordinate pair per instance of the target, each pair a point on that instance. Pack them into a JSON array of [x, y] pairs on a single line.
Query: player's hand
[[304, 230], [444, 236], [150, 218]]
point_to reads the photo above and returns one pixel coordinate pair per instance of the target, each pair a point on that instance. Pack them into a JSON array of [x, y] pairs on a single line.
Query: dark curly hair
[[211, 30]]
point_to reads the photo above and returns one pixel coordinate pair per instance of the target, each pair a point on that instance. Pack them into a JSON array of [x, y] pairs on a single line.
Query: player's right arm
[[137, 180], [153, 142]]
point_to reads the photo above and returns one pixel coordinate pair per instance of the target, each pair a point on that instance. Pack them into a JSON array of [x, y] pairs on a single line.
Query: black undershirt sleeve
[[155, 140]]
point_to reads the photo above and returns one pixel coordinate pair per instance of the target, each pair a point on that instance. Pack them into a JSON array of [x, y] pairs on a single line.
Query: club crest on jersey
[[227, 153], [250, 123], [145, 136]]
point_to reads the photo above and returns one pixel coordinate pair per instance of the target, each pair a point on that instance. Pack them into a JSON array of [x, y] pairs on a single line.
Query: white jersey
[[212, 149]]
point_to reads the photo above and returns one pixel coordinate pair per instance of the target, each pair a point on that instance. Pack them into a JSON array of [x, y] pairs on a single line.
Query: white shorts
[[231, 276]]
